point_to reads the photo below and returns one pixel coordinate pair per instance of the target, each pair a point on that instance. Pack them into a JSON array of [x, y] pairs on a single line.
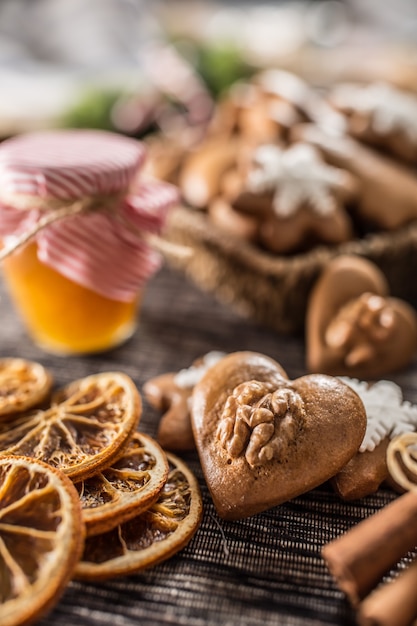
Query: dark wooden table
[[265, 570]]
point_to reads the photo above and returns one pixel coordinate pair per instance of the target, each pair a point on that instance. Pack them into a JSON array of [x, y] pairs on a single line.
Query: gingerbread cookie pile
[[289, 176], [288, 168], [90, 495]]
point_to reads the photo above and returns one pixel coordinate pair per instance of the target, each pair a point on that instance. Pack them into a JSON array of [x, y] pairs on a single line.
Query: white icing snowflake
[[389, 109], [387, 414], [187, 378], [297, 175]]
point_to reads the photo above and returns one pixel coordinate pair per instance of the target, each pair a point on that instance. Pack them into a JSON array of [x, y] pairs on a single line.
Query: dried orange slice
[[151, 537], [23, 385], [84, 430], [125, 489], [41, 538]]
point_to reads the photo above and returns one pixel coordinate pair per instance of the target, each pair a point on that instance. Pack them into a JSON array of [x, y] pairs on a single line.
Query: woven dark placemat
[[261, 571]]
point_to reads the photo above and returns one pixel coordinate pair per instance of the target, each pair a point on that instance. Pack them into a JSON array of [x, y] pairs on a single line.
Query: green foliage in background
[[93, 110], [220, 66]]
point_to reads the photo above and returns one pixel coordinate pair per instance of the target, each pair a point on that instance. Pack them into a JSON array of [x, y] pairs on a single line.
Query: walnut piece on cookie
[[353, 327]]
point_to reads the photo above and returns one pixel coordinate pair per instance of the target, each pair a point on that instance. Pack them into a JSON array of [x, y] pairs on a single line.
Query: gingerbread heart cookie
[[353, 327], [263, 439]]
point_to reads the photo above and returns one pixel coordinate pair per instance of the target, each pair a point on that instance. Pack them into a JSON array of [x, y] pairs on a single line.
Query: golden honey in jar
[[73, 222]]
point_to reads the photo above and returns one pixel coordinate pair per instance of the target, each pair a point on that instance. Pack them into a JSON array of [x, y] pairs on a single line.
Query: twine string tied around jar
[[53, 210]]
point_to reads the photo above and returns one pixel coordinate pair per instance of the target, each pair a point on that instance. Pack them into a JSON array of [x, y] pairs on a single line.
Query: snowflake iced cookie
[[263, 109], [386, 196], [254, 113], [353, 327], [171, 393], [303, 97], [293, 195], [380, 114], [388, 417], [257, 112], [296, 177]]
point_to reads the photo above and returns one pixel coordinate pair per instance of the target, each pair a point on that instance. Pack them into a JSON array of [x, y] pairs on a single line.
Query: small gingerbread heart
[[353, 327], [263, 439]]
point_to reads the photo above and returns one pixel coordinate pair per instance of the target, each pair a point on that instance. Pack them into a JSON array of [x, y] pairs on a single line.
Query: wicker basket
[[274, 290]]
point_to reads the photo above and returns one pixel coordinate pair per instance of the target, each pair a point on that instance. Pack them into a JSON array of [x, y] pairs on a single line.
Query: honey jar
[[76, 221]]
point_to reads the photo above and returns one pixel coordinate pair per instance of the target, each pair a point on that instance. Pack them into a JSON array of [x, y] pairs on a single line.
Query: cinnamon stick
[[360, 558], [393, 603]]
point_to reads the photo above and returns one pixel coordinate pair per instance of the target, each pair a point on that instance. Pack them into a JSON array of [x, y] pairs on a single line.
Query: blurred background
[[137, 66]]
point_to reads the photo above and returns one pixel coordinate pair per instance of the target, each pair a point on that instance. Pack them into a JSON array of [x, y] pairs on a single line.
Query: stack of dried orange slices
[[82, 492]]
